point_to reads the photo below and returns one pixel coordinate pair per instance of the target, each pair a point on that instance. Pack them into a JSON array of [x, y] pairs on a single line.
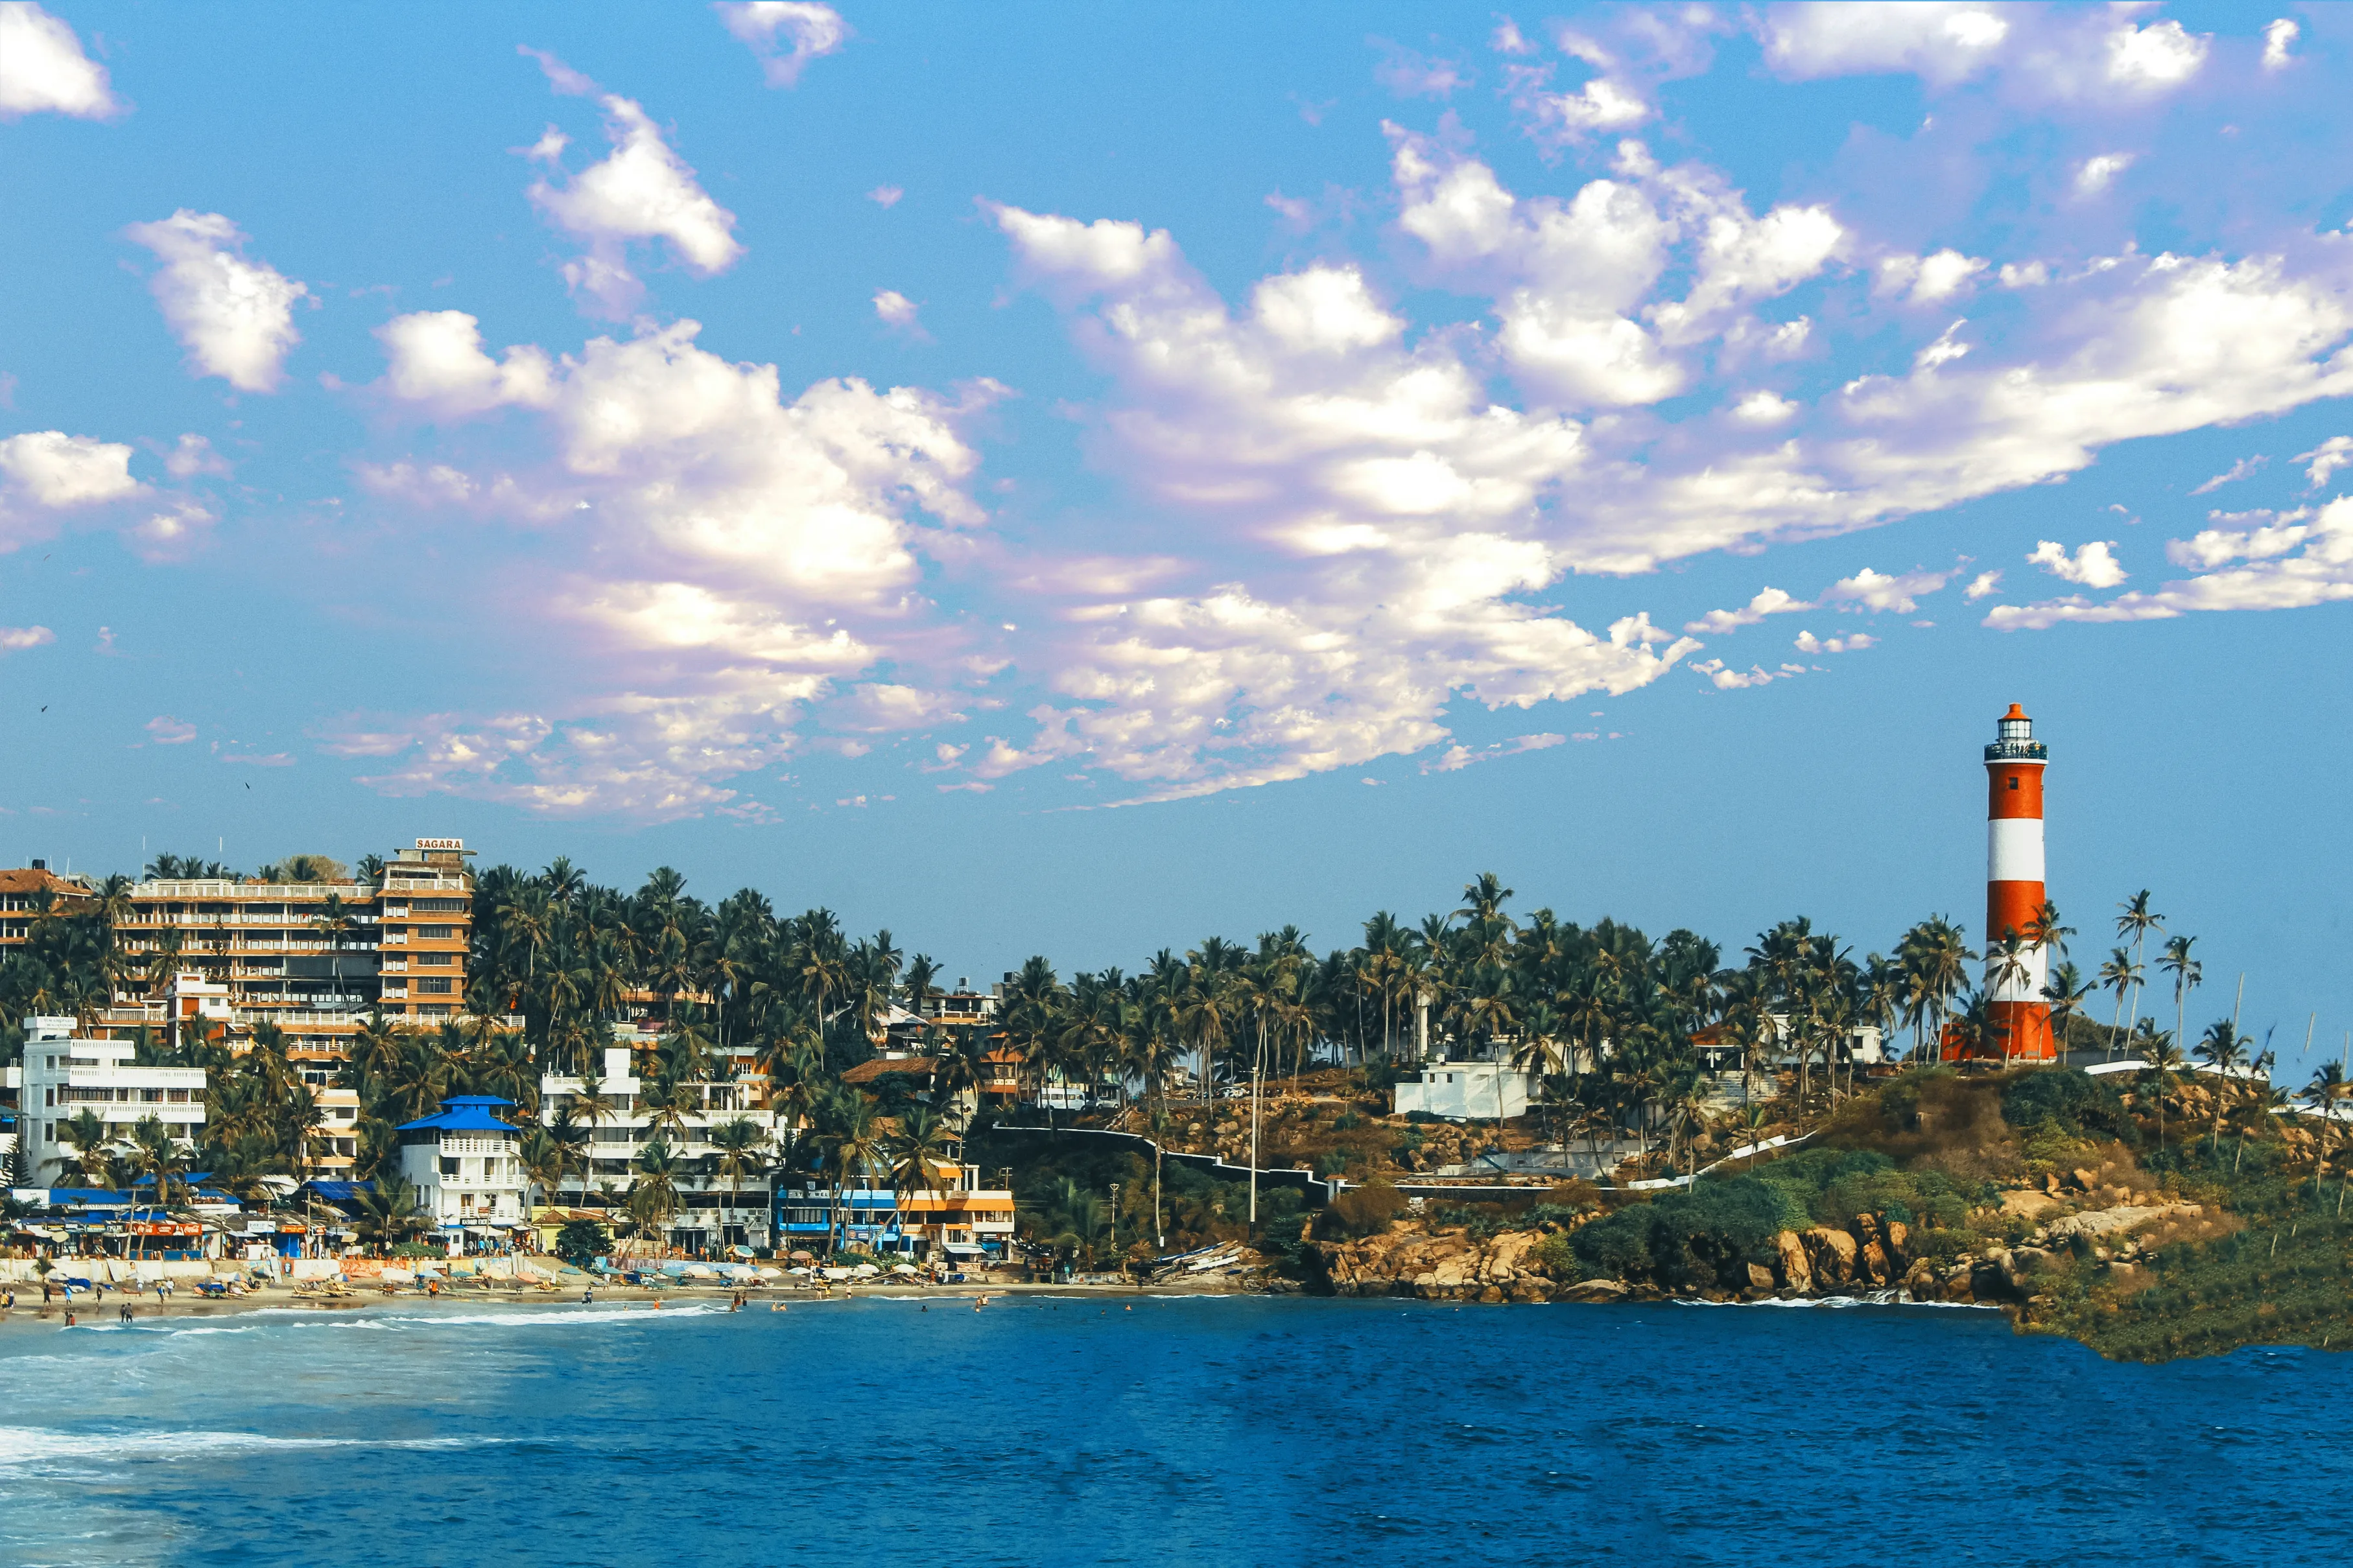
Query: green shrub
[[1692, 1238], [582, 1239], [1360, 1211], [2069, 1098], [1557, 1255]]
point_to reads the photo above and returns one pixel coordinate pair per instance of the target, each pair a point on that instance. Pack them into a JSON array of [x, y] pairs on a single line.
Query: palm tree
[[2187, 973], [2165, 1064], [653, 1195], [2136, 922], [90, 1139], [2066, 992], [919, 1149], [543, 1160], [919, 986], [739, 1148], [2119, 975], [855, 1140], [570, 1140], [2224, 1049], [334, 921], [389, 1210]]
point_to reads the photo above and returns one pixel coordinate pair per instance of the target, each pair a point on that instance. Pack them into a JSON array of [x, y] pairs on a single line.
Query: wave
[[24, 1445], [1839, 1303], [399, 1322]]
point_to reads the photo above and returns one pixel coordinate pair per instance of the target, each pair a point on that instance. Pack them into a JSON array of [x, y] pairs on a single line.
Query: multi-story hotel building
[[21, 900], [315, 957]]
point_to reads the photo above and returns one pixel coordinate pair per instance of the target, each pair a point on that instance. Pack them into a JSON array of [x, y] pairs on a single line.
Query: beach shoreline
[[91, 1312]]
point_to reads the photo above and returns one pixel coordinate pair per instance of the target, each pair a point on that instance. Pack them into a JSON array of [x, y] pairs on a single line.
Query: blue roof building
[[464, 1162]]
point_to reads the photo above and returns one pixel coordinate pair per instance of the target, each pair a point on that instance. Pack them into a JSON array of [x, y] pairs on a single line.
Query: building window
[[433, 986], [433, 960], [2013, 782], [449, 1167]]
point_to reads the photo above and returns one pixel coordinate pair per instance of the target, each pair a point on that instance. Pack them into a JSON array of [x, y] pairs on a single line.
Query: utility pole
[[1115, 1219]]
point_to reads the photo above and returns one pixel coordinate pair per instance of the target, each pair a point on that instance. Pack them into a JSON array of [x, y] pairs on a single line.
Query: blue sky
[[1080, 480]]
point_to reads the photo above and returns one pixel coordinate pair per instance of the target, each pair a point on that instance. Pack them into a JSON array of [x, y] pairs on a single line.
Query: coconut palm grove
[[1648, 1058]]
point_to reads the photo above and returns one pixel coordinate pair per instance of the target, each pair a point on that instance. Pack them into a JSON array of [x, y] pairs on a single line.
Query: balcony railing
[[2007, 751]]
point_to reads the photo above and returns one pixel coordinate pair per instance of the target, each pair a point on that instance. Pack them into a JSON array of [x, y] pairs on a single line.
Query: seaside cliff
[[2149, 1221]]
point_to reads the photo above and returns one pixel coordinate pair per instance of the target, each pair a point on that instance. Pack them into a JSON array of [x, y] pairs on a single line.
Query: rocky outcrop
[[1452, 1266]]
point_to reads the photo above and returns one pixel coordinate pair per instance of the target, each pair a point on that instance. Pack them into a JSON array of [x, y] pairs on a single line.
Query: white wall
[[1465, 1090]]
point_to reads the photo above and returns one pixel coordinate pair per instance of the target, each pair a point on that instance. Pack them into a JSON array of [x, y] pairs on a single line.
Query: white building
[[465, 1165], [1462, 1091], [709, 1212], [64, 1075]]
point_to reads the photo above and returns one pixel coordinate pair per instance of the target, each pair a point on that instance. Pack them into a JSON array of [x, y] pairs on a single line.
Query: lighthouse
[[2020, 1017]]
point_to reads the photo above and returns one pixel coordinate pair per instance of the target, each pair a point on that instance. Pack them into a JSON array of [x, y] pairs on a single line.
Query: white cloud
[[1981, 585], [235, 317], [1454, 759], [2093, 566], [1725, 679], [643, 191], [2237, 471], [1768, 602], [1852, 642], [45, 473], [2331, 454], [2095, 175], [193, 455], [1941, 42], [436, 363], [886, 196], [1926, 279], [1878, 592], [2154, 57], [2294, 566], [167, 730], [2279, 43], [44, 71], [16, 640], [1507, 39], [1763, 408], [52, 469], [173, 533], [2273, 534], [896, 309], [1601, 104], [743, 558], [1410, 75], [811, 30]]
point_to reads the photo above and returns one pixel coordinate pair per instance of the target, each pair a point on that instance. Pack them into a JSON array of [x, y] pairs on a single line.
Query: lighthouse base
[[2014, 1032]]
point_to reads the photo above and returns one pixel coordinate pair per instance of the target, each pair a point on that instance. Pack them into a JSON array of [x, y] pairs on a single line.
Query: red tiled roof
[[24, 880]]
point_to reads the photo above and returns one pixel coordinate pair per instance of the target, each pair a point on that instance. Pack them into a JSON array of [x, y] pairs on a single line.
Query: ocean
[[1194, 1430]]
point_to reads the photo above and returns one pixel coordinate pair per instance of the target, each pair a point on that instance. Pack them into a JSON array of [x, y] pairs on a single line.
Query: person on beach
[[70, 1318], [44, 1292]]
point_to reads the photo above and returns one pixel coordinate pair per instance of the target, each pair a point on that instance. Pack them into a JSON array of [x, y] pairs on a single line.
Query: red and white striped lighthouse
[[2020, 1017]]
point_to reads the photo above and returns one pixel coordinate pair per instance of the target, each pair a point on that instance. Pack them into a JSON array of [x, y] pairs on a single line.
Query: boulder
[[1832, 1253], [1871, 1265], [1790, 1263], [1899, 1243], [1759, 1277], [1596, 1291]]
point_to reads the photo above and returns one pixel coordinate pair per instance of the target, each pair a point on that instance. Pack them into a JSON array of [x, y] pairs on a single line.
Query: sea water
[[1201, 1430]]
